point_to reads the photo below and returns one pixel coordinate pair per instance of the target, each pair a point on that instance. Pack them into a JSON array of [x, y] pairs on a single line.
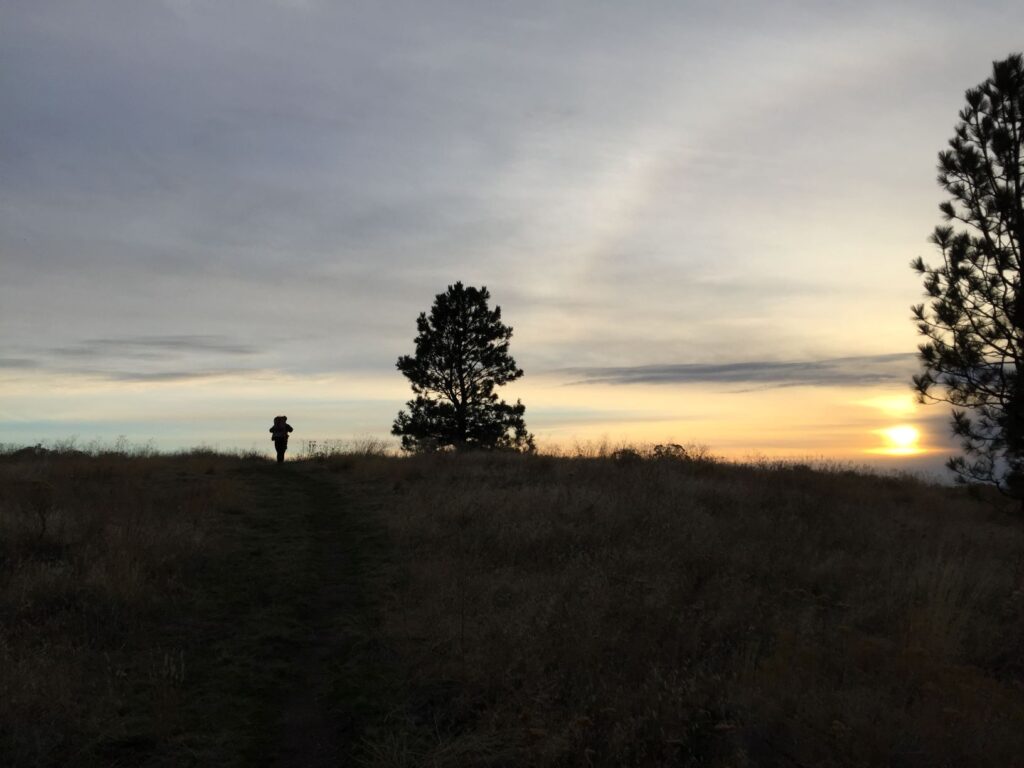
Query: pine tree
[[461, 356], [973, 356]]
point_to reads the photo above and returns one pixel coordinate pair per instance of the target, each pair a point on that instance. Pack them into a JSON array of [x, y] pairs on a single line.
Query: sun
[[900, 440]]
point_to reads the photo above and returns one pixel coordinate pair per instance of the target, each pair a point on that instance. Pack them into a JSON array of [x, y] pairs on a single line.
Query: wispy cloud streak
[[18, 363], [142, 358], [829, 372], [155, 346]]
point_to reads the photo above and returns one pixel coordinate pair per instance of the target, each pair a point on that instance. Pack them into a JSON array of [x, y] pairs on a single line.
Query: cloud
[[837, 371], [170, 376], [142, 358], [154, 347], [20, 363]]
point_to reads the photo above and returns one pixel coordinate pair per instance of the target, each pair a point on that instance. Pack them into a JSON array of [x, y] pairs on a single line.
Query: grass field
[[598, 609]]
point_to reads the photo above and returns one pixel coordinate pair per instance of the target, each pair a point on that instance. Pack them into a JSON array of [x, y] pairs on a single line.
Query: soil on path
[[293, 672]]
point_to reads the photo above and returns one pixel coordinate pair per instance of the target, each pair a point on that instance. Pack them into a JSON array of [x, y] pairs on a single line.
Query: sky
[[697, 216]]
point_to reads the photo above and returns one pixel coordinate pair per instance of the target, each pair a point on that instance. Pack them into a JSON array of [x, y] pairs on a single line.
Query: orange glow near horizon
[[901, 440], [803, 423]]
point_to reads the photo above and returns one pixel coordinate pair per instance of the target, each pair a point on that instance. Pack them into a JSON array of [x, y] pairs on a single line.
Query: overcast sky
[[211, 212]]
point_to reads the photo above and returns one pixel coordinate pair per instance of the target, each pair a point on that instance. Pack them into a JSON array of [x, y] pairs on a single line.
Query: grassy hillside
[[500, 609]]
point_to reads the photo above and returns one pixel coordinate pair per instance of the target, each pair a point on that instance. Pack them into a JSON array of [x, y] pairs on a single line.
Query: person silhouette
[[279, 434]]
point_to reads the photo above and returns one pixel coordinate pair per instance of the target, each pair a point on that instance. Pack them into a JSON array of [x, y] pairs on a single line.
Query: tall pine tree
[[461, 356], [973, 323]]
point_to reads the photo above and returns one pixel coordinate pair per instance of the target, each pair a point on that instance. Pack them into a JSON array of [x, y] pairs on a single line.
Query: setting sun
[[900, 440]]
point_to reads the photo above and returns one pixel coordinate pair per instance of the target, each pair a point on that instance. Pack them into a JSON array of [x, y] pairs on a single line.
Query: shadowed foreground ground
[[595, 610], [315, 549], [237, 626]]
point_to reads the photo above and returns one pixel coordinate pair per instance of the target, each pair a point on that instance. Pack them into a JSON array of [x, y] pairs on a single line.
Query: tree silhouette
[[461, 356], [974, 322]]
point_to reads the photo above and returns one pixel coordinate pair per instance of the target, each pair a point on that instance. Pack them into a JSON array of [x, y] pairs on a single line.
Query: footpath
[[289, 672]]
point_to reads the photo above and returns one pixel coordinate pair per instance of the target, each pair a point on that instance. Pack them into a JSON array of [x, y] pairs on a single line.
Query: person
[[279, 434]]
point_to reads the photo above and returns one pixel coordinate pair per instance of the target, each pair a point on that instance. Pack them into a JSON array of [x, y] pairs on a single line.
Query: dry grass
[[613, 607], [620, 610], [96, 554]]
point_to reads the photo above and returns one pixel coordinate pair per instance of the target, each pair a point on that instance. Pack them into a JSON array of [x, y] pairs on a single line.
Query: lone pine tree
[[973, 356], [461, 356]]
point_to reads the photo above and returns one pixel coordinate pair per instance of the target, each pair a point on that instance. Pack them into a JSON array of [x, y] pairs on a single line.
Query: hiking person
[[279, 434]]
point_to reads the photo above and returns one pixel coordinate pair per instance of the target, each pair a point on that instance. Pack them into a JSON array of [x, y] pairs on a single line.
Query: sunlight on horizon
[[228, 412], [901, 440]]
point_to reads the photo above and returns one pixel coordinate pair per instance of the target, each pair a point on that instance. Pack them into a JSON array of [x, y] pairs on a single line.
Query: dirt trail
[[337, 663], [296, 666]]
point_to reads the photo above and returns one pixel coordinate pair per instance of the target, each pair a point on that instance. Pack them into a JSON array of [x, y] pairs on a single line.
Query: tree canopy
[[461, 356], [973, 323]]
